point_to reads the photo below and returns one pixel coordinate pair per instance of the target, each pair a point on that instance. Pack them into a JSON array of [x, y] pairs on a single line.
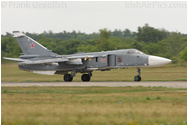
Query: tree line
[[150, 40]]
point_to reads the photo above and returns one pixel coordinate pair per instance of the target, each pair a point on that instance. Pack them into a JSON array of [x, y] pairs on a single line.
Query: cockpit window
[[134, 51]]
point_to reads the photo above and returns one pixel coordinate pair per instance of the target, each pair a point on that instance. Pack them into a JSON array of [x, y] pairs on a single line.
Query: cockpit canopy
[[134, 51]]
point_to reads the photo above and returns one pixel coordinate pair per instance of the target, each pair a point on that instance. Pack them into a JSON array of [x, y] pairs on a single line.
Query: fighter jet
[[40, 60]]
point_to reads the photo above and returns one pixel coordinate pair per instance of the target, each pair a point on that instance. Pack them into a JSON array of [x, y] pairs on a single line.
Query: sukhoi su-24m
[[38, 59]]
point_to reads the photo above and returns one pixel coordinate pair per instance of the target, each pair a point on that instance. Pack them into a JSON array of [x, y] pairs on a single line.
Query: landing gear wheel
[[68, 77], [85, 77], [137, 78]]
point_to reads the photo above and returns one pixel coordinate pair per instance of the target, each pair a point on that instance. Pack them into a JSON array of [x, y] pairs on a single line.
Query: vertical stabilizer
[[30, 46]]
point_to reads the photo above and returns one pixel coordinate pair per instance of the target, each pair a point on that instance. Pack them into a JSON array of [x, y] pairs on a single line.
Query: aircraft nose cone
[[157, 61]]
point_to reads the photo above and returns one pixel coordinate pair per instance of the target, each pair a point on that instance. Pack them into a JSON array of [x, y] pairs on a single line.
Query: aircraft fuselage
[[111, 60]]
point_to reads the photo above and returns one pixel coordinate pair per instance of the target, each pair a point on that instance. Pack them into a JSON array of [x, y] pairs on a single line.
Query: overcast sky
[[89, 17]]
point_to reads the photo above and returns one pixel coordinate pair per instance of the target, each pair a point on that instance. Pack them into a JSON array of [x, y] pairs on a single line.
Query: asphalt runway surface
[[170, 84]]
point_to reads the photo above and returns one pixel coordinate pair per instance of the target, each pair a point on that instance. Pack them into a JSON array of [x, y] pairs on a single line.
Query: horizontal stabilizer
[[41, 61], [15, 59]]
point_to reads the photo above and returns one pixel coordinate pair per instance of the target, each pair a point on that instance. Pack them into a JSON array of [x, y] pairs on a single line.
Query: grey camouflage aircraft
[[38, 59]]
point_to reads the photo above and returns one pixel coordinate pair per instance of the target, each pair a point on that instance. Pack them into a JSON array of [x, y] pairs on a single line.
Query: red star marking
[[32, 45]]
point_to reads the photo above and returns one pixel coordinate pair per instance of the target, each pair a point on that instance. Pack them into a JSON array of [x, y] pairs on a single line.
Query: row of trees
[[148, 39]]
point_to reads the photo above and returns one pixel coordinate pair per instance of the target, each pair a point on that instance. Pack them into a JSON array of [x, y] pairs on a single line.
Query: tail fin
[[30, 46]]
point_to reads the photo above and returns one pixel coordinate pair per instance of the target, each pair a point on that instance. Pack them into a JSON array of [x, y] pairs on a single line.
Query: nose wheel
[[138, 77]]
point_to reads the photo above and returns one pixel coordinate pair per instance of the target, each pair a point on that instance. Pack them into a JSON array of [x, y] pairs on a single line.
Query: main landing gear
[[84, 77], [68, 77], [138, 77]]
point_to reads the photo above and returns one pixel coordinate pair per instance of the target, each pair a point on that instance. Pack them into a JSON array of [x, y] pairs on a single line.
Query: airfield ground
[[170, 84], [95, 103]]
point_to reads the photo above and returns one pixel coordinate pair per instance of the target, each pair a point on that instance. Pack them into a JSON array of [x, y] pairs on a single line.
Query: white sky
[[89, 17]]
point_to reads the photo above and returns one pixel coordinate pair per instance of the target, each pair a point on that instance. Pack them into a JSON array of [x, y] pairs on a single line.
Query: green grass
[[11, 73], [93, 105]]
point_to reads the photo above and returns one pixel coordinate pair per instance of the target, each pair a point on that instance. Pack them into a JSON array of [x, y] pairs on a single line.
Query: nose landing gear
[[138, 77]]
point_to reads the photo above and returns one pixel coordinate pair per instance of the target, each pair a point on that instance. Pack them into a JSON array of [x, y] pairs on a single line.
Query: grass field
[[11, 73], [93, 105]]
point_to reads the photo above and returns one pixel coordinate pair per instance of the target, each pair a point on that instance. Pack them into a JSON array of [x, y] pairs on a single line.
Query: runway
[[170, 84]]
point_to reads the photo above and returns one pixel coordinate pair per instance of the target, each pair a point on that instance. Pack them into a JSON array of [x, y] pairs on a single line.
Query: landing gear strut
[[138, 77]]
